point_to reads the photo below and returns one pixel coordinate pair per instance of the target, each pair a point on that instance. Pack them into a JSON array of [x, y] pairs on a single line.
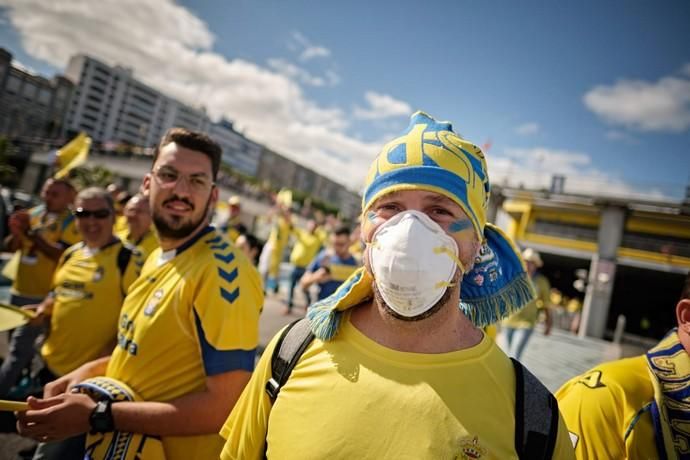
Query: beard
[[428, 313], [177, 228]]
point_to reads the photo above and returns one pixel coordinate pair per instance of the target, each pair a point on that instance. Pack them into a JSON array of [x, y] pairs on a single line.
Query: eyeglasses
[[168, 177], [81, 213]]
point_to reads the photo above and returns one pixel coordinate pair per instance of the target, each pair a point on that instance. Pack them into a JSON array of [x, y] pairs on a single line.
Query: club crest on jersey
[[470, 449], [98, 274], [153, 302]]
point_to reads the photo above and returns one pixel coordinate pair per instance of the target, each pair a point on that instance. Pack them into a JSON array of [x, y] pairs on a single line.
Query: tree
[[96, 176]]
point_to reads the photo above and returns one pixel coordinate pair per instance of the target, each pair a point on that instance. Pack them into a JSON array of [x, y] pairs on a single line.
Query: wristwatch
[[101, 419]]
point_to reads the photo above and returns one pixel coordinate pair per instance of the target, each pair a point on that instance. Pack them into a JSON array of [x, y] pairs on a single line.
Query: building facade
[[115, 108], [633, 255], [31, 106]]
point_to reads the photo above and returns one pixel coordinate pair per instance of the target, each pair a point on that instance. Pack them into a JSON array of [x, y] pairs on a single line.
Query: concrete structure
[[115, 108], [123, 115], [239, 152], [636, 253], [30, 105], [280, 172]]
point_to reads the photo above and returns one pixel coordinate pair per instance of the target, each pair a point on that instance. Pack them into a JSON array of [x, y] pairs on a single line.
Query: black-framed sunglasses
[[81, 213]]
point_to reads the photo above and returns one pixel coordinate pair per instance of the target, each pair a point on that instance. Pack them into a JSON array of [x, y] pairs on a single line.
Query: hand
[[18, 223], [55, 418], [322, 275], [65, 383], [41, 315]]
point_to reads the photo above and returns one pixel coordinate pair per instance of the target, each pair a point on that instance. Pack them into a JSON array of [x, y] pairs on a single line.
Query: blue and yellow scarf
[[669, 368], [117, 445]]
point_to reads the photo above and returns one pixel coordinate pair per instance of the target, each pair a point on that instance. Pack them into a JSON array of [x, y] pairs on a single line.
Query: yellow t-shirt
[[232, 228], [89, 288], [193, 312], [145, 245], [527, 316], [604, 410], [35, 270], [277, 240], [352, 398], [306, 247], [120, 226]]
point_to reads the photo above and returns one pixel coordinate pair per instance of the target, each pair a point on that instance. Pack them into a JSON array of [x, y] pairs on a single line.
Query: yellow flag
[[10, 269], [284, 197], [72, 155]]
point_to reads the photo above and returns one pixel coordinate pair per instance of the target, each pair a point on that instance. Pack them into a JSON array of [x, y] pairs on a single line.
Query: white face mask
[[413, 261]]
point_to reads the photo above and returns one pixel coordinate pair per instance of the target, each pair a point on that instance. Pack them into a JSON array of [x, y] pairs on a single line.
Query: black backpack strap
[[291, 344], [536, 416]]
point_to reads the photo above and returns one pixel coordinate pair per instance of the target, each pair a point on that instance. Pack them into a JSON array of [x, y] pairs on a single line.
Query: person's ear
[[146, 184], [683, 315]]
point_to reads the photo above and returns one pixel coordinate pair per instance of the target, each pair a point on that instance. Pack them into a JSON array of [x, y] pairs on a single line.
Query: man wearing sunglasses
[[89, 285], [187, 333], [39, 235]]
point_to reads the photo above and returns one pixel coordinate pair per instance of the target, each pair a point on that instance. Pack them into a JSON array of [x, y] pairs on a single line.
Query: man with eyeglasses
[[187, 333], [332, 266], [83, 307], [39, 235]]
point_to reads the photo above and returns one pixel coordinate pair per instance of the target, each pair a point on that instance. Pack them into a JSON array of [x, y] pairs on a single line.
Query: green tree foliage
[[96, 176]]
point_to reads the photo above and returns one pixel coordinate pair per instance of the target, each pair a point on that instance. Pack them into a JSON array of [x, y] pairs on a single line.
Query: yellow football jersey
[[527, 316], [89, 287], [145, 245], [193, 312], [120, 226], [607, 411], [306, 247], [277, 240], [352, 398], [35, 270]]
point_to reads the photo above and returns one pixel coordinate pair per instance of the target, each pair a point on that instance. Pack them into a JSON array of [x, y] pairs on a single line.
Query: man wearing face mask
[[396, 369]]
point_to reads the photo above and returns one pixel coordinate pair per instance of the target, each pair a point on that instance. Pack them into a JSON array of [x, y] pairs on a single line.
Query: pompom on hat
[[430, 156]]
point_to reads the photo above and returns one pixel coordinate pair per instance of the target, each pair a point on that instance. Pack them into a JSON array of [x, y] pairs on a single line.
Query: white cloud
[[313, 52], [302, 75], [306, 48], [23, 67], [616, 135], [663, 105], [528, 129], [533, 168], [170, 49], [382, 106], [686, 69]]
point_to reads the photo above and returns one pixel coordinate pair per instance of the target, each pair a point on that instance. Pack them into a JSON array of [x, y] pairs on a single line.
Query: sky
[[598, 91]]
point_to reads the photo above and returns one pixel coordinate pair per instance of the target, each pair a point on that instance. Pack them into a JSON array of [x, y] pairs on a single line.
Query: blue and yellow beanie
[[430, 156]]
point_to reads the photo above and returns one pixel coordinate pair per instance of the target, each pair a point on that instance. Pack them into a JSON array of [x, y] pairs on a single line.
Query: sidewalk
[[556, 358]]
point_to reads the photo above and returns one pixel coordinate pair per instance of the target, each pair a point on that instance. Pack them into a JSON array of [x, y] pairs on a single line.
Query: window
[[13, 84], [44, 96], [29, 91]]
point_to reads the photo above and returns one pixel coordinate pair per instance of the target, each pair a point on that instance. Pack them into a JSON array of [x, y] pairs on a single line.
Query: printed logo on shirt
[[153, 302], [470, 449], [592, 380], [98, 274]]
